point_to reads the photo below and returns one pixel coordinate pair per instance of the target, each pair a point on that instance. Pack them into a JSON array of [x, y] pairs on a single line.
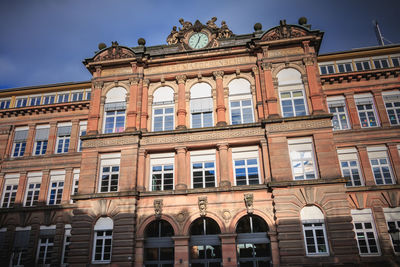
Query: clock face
[[198, 40]]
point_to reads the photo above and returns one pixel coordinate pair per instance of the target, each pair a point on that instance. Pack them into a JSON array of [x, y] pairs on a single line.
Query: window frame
[[103, 224], [63, 141], [292, 99], [365, 216], [314, 228], [335, 103], [21, 102], [362, 61], [57, 177], [5, 103], [47, 245], [165, 159], [246, 153], [35, 179], [299, 142], [40, 146], [164, 115], [365, 100], [19, 145], [203, 156], [240, 98], [347, 155], [109, 160], [82, 132], [66, 244], [392, 97], [345, 64], [324, 68], [380, 59], [392, 215], [11, 180], [379, 153]]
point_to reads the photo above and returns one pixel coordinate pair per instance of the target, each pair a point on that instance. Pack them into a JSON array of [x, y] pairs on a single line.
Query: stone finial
[[102, 46], [258, 27], [203, 206], [248, 200], [141, 41], [158, 205]]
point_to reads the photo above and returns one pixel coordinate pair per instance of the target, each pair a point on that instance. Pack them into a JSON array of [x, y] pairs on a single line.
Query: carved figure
[[211, 23], [203, 206], [185, 24], [224, 31], [158, 205], [248, 200], [173, 36]]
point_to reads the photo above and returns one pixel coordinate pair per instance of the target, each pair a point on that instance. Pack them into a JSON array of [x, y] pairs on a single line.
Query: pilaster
[[141, 170], [181, 80], [19, 198], [314, 85], [272, 100], [68, 181], [221, 109], [52, 138], [380, 106], [30, 140], [44, 187], [94, 111], [352, 109], [74, 139], [259, 98], [181, 179], [131, 114], [366, 166], [145, 104], [224, 165]]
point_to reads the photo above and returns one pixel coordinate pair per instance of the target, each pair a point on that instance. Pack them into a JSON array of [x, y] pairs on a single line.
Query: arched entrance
[[204, 244], [158, 245], [252, 242]]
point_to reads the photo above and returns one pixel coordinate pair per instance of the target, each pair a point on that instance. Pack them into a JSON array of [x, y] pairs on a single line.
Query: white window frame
[[162, 160], [21, 102], [57, 177], [46, 245], [34, 179], [66, 243], [362, 61], [82, 132], [327, 68], [246, 153], [104, 224], [203, 156], [335, 103], [201, 93], [392, 98], [378, 153], [19, 146], [364, 100], [163, 116], [61, 97], [302, 145], [392, 215], [20, 253], [49, 99], [397, 58], [365, 216], [75, 183], [109, 160], [41, 143], [88, 94], [63, 138], [380, 59], [240, 99], [350, 155], [37, 100], [11, 181], [77, 92], [345, 64], [5, 103], [313, 220], [291, 90]]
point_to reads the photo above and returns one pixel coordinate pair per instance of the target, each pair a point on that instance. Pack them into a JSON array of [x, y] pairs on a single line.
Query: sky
[[45, 41]]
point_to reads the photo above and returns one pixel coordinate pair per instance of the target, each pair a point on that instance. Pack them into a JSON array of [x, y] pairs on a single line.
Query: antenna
[[378, 34]]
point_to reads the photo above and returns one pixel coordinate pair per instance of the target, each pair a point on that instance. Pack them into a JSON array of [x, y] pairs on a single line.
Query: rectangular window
[[163, 118], [33, 189], [82, 132], [345, 67], [364, 228], [246, 165], [302, 158], [396, 61], [201, 110], [366, 110], [48, 99], [5, 103], [162, 171], [327, 69], [21, 102], [392, 216], [56, 187], [293, 103], [350, 166], [102, 246], [337, 106], [41, 139], [315, 238], [392, 103], [109, 172], [241, 110], [114, 119], [75, 184], [63, 97], [77, 96], [88, 94], [20, 245], [10, 190], [20, 136], [34, 100], [363, 65], [46, 244], [380, 164], [381, 63], [63, 137], [203, 168], [66, 243]]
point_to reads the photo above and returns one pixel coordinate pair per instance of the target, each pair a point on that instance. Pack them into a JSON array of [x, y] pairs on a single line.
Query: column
[[223, 165], [141, 170], [181, 250], [51, 143], [366, 166], [44, 187], [221, 109], [352, 109], [128, 169], [265, 161], [315, 87], [19, 198], [94, 111], [139, 104], [74, 139], [273, 237], [181, 79], [30, 141], [68, 181], [181, 183], [131, 112], [259, 104], [145, 106], [228, 242], [380, 106], [272, 100], [395, 160]]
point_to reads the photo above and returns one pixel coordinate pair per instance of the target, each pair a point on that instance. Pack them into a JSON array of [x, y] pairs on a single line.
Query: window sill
[[373, 188]]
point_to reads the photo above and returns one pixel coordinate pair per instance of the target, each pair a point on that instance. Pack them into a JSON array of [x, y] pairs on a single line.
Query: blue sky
[[45, 41]]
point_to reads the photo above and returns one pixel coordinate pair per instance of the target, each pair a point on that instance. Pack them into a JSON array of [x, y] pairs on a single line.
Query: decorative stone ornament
[[158, 205], [248, 200], [203, 206]]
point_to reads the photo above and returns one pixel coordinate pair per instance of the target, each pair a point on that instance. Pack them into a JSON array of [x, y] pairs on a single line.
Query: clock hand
[[198, 40]]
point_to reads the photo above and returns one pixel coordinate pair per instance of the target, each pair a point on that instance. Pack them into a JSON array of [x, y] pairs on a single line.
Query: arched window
[[201, 105], [253, 244], [158, 245], [291, 93], [114, 110], [205, 245], [103, 231], [314, 231], [163, 109], [240, 102]]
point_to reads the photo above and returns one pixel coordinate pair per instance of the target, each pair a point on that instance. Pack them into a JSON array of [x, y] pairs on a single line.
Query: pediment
[[285, 31], [115, 51]]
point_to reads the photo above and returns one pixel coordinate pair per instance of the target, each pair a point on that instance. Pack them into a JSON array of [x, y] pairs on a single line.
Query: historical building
[[214, 150]]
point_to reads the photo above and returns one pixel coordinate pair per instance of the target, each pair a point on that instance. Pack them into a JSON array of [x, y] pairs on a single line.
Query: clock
[[198, 40]]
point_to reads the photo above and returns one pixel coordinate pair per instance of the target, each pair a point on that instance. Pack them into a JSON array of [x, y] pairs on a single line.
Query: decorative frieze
[[297, 125], [110, 141]]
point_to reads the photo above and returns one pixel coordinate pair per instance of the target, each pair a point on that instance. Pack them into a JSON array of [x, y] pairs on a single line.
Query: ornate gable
[[115, 51], [285, 31]]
